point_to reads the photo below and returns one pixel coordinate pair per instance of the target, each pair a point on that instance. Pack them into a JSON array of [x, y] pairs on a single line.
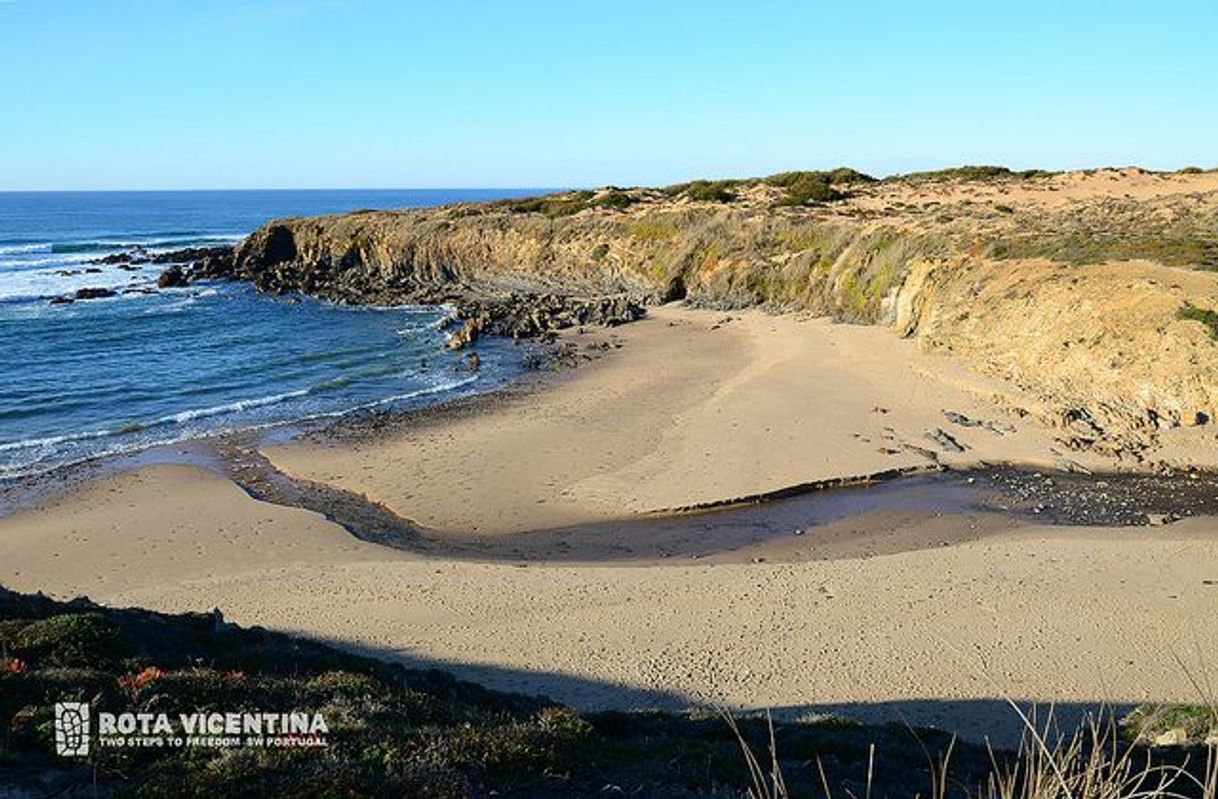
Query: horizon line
[[289, 188], [570, 187]]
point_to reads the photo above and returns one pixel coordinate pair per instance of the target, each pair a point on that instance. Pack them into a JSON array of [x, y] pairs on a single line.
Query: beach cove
[[935, 618]]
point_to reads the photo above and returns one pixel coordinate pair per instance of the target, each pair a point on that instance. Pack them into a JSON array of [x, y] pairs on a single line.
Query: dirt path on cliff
[[697, 406]]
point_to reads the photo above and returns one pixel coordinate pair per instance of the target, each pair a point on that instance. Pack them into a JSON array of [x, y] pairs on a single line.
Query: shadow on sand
[[1000, 721]]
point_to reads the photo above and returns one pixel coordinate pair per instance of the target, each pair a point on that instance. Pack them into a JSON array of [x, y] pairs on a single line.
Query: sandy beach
[[937, 626], [696, 407]]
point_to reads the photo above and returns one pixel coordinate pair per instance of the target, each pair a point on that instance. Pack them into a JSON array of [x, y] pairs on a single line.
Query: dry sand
[[934, 636], [159, 525], [682, 413], [1051, 192]]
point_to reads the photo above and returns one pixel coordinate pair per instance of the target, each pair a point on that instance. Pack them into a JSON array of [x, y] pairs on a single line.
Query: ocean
[[114, 375]]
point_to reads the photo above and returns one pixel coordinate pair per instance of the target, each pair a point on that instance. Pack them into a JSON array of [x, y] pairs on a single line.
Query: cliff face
[[1076, 286], [709, 255]]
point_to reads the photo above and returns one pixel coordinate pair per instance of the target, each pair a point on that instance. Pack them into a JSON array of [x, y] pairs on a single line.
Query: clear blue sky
[[326, 93]]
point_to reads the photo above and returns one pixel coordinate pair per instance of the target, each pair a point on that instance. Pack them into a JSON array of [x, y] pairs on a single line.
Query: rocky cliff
[[1093, 290]]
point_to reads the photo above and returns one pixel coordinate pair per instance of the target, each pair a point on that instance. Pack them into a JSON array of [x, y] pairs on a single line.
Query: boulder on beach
[[465, 335]]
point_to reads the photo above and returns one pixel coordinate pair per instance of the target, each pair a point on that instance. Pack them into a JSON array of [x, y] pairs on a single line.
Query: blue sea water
[[113, 375]]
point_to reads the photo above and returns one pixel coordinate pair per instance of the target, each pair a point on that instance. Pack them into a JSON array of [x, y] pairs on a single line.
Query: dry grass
[[1102, 758], [1093, 761]]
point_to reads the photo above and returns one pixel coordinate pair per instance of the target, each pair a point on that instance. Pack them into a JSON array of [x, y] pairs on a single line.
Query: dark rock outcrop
[[290, 255], [465, 335], [199, 263], [94, 293], [533, 315], [191, 255], [135, 255], [88, 293], [173, 277]]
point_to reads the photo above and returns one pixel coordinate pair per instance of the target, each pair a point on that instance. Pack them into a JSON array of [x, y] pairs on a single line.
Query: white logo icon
[[72, 729]]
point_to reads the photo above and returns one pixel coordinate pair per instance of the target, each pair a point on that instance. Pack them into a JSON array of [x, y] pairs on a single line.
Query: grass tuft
[[714, 191], [1205, 316]]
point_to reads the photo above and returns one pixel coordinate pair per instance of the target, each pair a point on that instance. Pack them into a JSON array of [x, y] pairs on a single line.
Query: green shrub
[[844, 174], [802, 187], [615, 198], [558, 205], [75, 640], [552, 205], [1203, 315], [806, 188], [834, 177], [966, 173], [716, 191], [812, 188]]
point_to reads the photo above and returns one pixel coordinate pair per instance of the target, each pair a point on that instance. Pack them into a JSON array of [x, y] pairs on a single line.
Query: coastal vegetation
[[398, 731], [799, 188], [973, 173], [713, 191], [807, 188], [1203, 315]]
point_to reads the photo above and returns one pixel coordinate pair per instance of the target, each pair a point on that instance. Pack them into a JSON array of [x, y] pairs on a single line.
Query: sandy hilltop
[[800, 328]]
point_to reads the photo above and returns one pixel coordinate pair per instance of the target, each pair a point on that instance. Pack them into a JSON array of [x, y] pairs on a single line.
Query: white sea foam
[[43, 453], [37, 284], [230, 407], [53, 441], [66, 261], [423, 392], [19, 249], [176, 418]]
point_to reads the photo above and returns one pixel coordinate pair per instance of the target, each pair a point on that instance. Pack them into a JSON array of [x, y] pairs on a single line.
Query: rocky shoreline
[[478, 310]]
